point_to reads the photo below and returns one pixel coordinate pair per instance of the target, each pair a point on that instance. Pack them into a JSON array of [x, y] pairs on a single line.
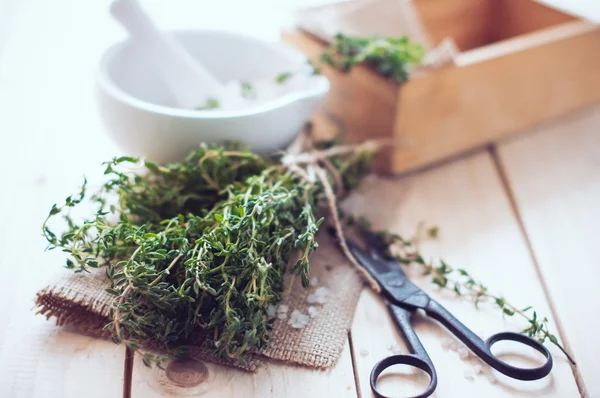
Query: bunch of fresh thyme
[[392, 57], [199, 248], [459, 281]]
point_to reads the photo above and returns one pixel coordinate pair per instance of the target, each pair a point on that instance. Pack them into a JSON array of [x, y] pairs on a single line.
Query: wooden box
[[521, 62]]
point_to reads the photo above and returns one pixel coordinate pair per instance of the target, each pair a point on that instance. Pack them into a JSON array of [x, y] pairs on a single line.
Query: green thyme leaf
[[283, 77], [211, 103], [391, 57]]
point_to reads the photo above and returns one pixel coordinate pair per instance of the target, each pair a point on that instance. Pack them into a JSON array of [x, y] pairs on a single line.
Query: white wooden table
[[523, 217]]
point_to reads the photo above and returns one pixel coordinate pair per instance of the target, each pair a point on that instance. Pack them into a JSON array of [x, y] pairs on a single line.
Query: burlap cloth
[[79, 300]]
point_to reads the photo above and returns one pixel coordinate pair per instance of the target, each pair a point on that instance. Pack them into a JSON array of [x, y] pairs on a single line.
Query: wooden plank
[[38, 359], [187, 378], [479, 233], [554, 172]]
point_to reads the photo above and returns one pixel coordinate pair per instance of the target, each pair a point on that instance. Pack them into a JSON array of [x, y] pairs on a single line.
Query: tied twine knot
[[311, 164]]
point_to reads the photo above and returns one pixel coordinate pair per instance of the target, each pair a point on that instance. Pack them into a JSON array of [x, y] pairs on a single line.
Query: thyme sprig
[[461, 282], [199, 248], [391, 56]]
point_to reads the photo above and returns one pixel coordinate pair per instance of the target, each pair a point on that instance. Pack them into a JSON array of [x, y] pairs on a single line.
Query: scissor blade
[[394, 283], [381, 270]]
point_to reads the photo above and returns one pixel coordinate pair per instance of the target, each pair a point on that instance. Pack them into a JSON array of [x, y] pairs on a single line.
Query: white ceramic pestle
[[189, 82]]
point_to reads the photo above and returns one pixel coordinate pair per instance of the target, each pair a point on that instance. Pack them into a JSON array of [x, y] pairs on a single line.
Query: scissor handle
[[483, 348], [418, 357], [513, 371], [407, 359]]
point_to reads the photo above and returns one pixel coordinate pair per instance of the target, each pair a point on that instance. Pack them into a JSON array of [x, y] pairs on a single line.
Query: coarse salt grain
[[312, 311], [477, 369], [271, 311], [282, 311], [318, 297], [298, 320], [463, 353], [283, 308], [314, 281]]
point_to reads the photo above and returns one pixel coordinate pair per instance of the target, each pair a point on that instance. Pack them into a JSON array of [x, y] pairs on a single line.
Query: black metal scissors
[[402, 298]]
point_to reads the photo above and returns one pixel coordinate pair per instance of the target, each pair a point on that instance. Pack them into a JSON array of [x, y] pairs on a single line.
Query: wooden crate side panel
[[468, 22], [459, 109], [518, 17]]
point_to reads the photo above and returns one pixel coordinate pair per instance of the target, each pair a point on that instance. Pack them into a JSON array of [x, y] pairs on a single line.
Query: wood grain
[[480, 233], [554, 172], [193, 378]]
